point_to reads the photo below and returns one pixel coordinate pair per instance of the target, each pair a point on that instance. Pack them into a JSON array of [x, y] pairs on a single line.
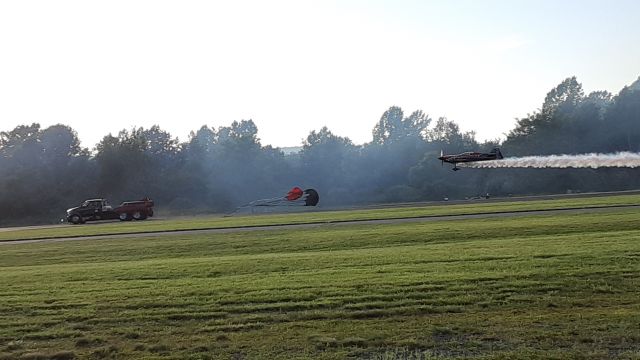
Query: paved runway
[[328, 223]]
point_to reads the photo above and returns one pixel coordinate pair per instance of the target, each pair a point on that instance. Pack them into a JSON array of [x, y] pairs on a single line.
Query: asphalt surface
[[475, 200], [323, 224]]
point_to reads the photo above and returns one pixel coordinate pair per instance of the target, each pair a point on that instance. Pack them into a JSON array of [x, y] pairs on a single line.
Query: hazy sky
[[295, 66]]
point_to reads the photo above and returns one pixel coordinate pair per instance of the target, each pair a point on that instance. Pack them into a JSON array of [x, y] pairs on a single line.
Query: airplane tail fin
[[497, 152]]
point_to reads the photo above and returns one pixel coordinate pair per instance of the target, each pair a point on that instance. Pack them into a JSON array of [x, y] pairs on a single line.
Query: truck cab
[[92, 209]]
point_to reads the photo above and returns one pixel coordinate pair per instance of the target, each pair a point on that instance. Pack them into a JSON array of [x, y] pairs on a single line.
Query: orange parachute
[[294, 194]]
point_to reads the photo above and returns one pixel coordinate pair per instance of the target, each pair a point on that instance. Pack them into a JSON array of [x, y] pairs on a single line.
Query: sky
[[296, 66]]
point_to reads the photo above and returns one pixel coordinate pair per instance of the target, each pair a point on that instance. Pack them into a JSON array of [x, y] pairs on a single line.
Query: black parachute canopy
[[312, 197]]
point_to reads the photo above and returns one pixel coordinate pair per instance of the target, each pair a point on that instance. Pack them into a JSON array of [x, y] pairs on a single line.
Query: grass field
[[563, 286], [209, 222]]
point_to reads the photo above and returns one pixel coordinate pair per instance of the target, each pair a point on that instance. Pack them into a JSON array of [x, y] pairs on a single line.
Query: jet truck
[[99, 209]]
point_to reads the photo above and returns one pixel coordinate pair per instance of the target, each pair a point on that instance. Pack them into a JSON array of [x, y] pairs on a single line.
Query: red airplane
[[470, 156]]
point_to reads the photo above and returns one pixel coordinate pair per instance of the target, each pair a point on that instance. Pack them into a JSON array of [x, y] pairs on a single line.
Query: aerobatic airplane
[[470, 156]]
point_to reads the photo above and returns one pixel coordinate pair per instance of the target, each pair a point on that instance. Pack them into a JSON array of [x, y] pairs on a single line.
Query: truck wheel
[[139, 216], [75, 219], [124, 217]]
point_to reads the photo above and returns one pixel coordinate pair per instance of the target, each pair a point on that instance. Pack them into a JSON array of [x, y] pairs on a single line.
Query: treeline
[[45, 171]]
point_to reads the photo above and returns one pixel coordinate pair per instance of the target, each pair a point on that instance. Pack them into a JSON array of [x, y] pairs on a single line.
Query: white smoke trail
[[621, 159]]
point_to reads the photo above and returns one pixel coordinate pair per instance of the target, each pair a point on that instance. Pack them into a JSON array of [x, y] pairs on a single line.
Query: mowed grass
[[211, 222], [563, 286]]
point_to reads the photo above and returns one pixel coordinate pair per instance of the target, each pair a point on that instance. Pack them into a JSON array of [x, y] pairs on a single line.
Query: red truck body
[[138, 210]]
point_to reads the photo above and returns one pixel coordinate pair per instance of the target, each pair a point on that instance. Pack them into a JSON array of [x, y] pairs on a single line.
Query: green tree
[[562, 100], [623, 120], [326, 163], [550, 130], [41, 167], [123, 164], [393, 127]]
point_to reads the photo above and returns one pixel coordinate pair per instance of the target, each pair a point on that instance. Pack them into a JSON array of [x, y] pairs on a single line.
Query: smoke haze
[[593, 161], [44, 171]]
